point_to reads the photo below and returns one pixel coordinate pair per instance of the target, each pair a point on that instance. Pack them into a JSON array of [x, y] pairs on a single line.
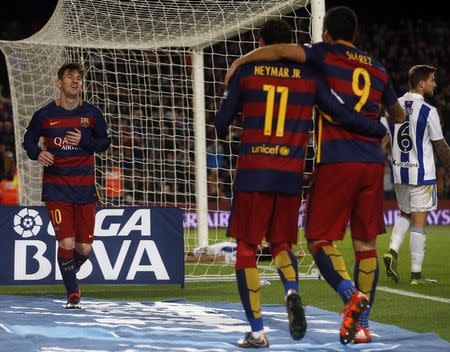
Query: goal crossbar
[[155, 26]]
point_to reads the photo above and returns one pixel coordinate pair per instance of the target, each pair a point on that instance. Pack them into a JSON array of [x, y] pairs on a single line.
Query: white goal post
[[155, 69]]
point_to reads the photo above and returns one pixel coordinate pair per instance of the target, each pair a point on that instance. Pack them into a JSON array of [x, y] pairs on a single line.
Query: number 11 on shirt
[[270, 102]]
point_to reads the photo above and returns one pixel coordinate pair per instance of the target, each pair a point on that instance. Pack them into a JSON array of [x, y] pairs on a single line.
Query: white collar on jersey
[[414, 95]]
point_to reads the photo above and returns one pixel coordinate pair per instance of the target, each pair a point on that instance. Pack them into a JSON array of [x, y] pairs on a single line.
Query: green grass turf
[[412, 313]]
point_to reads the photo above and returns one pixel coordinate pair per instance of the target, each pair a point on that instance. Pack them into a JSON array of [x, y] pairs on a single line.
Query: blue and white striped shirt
[[412, 151]]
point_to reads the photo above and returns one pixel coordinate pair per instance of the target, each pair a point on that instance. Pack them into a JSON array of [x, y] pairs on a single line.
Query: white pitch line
[[5, 328], [412, 294]]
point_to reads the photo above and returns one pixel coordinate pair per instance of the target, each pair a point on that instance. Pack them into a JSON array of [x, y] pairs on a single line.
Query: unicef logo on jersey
[[271, 150], [27, 223]]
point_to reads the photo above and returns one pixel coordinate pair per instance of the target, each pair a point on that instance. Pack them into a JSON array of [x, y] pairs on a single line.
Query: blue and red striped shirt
[[71, 177], [276, 102], [363, 84]]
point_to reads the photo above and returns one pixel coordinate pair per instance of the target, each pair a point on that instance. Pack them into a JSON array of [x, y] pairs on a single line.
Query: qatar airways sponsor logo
[[395, 162], [64, 144]]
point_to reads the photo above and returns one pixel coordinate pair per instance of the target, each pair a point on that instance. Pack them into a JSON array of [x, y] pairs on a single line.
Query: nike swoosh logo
[[90, 236], [64, 264], [54, 123]]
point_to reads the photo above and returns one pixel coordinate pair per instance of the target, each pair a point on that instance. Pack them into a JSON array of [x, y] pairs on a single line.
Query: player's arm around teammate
[[296, 53]]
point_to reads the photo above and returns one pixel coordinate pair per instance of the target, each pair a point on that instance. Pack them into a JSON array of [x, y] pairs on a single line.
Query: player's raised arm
[[274, 52]]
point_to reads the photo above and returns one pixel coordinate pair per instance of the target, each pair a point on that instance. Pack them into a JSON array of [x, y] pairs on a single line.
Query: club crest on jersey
[[84, 122]]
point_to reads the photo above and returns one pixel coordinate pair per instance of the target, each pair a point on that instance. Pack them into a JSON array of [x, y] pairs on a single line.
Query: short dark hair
[[341, 22], [419, 73], [276, 31], [71, 66]]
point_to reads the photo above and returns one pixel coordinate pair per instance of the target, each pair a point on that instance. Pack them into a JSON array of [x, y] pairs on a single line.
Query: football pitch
[[419, 309]]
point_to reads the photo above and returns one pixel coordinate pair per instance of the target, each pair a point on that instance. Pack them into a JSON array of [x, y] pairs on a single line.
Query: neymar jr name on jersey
[[363, 59], [276, 71]]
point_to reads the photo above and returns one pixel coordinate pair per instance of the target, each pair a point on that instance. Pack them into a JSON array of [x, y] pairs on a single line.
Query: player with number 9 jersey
[[363, 84], [348, 183]]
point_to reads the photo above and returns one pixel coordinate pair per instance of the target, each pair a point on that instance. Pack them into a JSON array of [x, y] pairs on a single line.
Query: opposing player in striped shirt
[[414, 171], [347, 184], [73, 131], [276, 102]]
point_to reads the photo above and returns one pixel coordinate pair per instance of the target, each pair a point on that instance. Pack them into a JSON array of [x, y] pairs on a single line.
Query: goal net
[[156, 70]]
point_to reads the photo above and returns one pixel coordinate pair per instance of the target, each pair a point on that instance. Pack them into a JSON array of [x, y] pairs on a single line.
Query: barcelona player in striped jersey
[[72, 131], [414, 171], [347, 185], [276, 102]]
